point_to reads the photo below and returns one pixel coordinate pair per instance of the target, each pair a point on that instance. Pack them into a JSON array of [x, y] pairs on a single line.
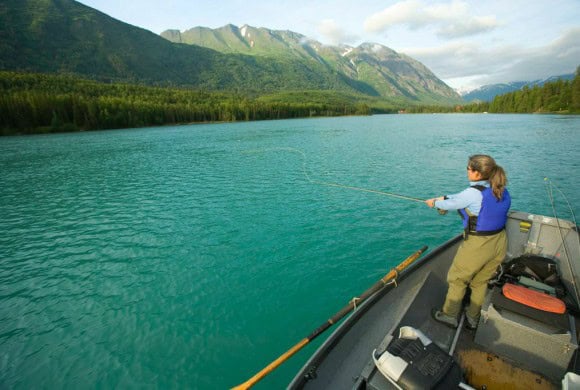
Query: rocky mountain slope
[[379, 70], [67, 37]]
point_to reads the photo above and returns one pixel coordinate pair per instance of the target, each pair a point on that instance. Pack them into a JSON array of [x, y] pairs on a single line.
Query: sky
[[466, 43]]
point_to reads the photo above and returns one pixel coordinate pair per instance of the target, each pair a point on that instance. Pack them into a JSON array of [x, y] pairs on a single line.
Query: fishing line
[[549, 189], [549, 183], [331, 184]]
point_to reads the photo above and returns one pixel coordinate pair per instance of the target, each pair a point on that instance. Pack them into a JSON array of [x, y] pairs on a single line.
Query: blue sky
[[465, 43]]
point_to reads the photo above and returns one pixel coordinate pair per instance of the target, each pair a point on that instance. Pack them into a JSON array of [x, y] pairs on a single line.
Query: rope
[[394, 281]]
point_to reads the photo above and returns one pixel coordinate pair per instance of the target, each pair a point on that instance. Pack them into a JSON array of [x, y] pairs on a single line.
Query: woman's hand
[[431, 202]]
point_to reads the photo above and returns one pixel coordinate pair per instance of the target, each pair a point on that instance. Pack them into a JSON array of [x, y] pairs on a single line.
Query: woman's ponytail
[[490, 171], [497, 181]]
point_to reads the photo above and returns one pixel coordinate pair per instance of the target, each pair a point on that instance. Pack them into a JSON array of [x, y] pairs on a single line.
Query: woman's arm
[[468, 197]]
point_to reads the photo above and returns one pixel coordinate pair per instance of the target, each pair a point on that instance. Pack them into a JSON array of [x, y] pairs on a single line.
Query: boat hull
[[344, 360]]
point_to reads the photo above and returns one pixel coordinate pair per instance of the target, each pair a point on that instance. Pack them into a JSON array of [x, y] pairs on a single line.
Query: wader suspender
[[471, 223]]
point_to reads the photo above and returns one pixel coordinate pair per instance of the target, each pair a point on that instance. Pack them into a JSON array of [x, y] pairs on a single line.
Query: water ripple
[[168, 257]]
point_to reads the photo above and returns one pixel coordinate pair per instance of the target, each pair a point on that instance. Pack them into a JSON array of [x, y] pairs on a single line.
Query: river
[[192, 256]]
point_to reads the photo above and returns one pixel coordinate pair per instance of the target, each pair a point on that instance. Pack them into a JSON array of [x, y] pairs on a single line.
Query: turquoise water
[[192, 256]]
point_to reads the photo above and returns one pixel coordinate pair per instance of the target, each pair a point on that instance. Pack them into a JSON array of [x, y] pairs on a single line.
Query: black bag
[[538, 268]]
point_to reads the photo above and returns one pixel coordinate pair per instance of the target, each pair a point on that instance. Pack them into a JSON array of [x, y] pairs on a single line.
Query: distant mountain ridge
[[67, 37], [385, 72], [487, 93]]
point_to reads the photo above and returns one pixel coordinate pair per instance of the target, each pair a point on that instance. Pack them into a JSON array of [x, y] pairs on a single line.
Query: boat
[[513, 346]]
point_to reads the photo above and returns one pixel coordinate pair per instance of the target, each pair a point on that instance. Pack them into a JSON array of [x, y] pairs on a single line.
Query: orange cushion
[[533, 298]]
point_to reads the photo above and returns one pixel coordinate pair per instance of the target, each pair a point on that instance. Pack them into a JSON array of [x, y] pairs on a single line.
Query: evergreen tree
[[561, 96], [32, 103], [575, 94]]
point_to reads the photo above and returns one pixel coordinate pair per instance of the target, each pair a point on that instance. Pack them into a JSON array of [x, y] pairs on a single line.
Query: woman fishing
[[483, 207]]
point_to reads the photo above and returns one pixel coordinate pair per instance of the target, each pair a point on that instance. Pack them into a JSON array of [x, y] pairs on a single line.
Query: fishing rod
[[331, 184], [392, 194], [549, 189]]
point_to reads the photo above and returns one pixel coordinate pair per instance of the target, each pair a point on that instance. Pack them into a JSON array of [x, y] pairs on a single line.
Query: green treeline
[[42, 103], [560, 96]]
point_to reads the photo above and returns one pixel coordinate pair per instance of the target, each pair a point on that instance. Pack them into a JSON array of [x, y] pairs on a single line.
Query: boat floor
[[481, 367]]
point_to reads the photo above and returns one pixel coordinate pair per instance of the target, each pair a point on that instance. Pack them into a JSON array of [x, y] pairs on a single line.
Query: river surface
[[192, 256]]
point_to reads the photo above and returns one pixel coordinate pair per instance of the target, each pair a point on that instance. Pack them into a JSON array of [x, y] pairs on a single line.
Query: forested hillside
[[557, 96], [64, 36], [560, 96], [486, 93], [41, 103], [67, 37]]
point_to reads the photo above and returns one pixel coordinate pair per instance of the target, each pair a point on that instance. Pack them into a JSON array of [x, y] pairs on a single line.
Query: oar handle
[[272, 366], [334, 319]]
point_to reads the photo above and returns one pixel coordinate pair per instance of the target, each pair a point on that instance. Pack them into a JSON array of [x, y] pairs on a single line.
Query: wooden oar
[[334, 319]]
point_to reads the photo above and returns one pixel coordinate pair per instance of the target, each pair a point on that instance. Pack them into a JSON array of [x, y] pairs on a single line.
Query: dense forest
[[560, 96], [42, 103]]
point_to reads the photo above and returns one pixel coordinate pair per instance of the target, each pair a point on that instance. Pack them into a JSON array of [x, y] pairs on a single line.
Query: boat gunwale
[[322, 352]]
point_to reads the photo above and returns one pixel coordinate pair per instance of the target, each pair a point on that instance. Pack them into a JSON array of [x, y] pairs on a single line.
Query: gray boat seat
[[559, 321], [541, 341]]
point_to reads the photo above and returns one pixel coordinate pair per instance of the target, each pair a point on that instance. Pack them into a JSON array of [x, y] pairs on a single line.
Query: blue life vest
[[492, 216]]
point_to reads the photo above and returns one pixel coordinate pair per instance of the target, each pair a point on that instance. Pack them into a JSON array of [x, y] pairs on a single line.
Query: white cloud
[[334, 33], [558, 57], [450, 20], [473, 26], [479, 64], [405, 12]]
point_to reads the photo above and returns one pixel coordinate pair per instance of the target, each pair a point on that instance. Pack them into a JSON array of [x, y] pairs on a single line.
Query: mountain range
[[377, 69], [64, 36], [486, 93]]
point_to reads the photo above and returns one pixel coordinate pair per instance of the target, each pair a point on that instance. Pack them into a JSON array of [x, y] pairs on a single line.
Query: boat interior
[[514, 346]]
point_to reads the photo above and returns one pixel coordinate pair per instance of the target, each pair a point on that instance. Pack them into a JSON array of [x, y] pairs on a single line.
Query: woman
[[483, 206]]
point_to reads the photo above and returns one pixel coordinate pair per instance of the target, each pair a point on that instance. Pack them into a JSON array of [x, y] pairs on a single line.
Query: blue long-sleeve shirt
[[469, 198]]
